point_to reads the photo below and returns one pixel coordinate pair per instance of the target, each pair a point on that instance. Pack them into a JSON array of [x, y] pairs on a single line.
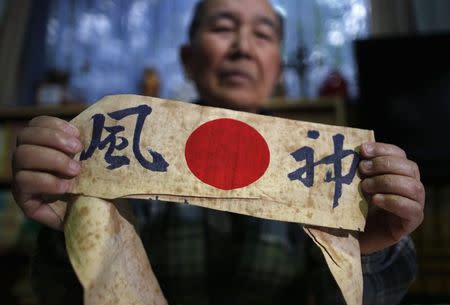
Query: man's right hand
[[43, 166]]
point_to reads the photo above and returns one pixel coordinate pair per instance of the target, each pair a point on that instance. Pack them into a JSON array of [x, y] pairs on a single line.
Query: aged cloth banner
[[141, 147]]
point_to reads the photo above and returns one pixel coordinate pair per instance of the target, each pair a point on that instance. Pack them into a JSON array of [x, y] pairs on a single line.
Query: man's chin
[[241, 102]]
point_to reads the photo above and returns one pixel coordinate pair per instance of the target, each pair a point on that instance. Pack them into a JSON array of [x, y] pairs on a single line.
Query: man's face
[[234, 58]]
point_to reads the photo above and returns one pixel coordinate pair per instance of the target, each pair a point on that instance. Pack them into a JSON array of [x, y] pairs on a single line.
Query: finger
[[395, 185], [402, 207], [375, 149], [42, 213], [389, 165], [32, 184], [38, 158], [49, 137], [55, 123]]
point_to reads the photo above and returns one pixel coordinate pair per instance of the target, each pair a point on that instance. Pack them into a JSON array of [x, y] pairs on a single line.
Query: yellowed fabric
[[108, 256], [343, 256], [273, 196]]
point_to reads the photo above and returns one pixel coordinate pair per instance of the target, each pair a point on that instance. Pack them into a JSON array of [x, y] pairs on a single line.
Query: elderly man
[[209, 257]]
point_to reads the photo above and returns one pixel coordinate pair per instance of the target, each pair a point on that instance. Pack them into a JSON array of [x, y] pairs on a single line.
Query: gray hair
[[198, 13]]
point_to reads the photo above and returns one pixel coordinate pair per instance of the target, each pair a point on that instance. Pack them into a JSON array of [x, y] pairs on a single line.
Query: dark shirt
[[202, 256]]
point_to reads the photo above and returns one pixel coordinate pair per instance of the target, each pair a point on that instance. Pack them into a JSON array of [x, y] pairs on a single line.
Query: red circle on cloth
[[227, 154]]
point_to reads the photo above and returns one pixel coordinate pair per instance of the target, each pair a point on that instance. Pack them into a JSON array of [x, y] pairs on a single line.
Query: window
[[105, 45]]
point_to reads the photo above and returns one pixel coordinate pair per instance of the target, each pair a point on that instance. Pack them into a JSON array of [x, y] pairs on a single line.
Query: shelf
[[15, 113], [323, 110], [278, 102]]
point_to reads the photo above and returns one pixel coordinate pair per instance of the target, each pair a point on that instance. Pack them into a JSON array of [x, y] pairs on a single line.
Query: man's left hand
[[391, 183]]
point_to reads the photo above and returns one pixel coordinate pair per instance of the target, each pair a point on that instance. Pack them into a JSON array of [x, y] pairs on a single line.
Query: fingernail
[[74, 144], [72, 130], [74, 167], [367, 165], [368, 147]]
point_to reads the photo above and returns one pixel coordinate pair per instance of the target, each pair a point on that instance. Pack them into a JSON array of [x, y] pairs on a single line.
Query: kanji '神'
[[305, 174]]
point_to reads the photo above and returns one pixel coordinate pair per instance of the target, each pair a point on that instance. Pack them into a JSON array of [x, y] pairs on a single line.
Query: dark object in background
[[334, 85], [151, 83], [13, 267], [404, 87]]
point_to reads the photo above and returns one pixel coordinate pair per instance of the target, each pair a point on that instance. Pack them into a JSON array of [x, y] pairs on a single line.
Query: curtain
[[3, 4], [33, 64], [391, 17], [12, 31], [432, 15]]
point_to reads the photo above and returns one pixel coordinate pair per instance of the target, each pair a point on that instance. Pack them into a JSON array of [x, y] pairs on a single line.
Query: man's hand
[[43, 166], [391, 183]]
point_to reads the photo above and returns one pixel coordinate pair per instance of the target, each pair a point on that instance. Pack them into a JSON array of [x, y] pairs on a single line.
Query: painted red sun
[[227, 154]]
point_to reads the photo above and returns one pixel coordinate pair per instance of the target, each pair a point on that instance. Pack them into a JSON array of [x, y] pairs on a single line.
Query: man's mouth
[[236, 77]]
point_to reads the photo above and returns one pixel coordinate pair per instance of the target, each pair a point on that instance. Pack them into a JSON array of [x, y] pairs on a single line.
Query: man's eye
[[222, 28], [264, 35]]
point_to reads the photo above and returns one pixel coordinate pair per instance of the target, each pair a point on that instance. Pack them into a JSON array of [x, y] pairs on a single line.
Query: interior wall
[[432, 15]]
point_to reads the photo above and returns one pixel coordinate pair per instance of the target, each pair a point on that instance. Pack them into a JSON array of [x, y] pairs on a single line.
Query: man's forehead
[[243, 7]]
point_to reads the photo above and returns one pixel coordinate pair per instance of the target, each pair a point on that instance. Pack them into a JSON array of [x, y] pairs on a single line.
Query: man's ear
[[187, 60]]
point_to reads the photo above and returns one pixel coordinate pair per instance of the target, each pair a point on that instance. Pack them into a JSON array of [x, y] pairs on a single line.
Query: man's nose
[[244, 44]]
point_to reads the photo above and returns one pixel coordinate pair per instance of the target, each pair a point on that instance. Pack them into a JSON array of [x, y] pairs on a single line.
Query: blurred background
[[379, 64]]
